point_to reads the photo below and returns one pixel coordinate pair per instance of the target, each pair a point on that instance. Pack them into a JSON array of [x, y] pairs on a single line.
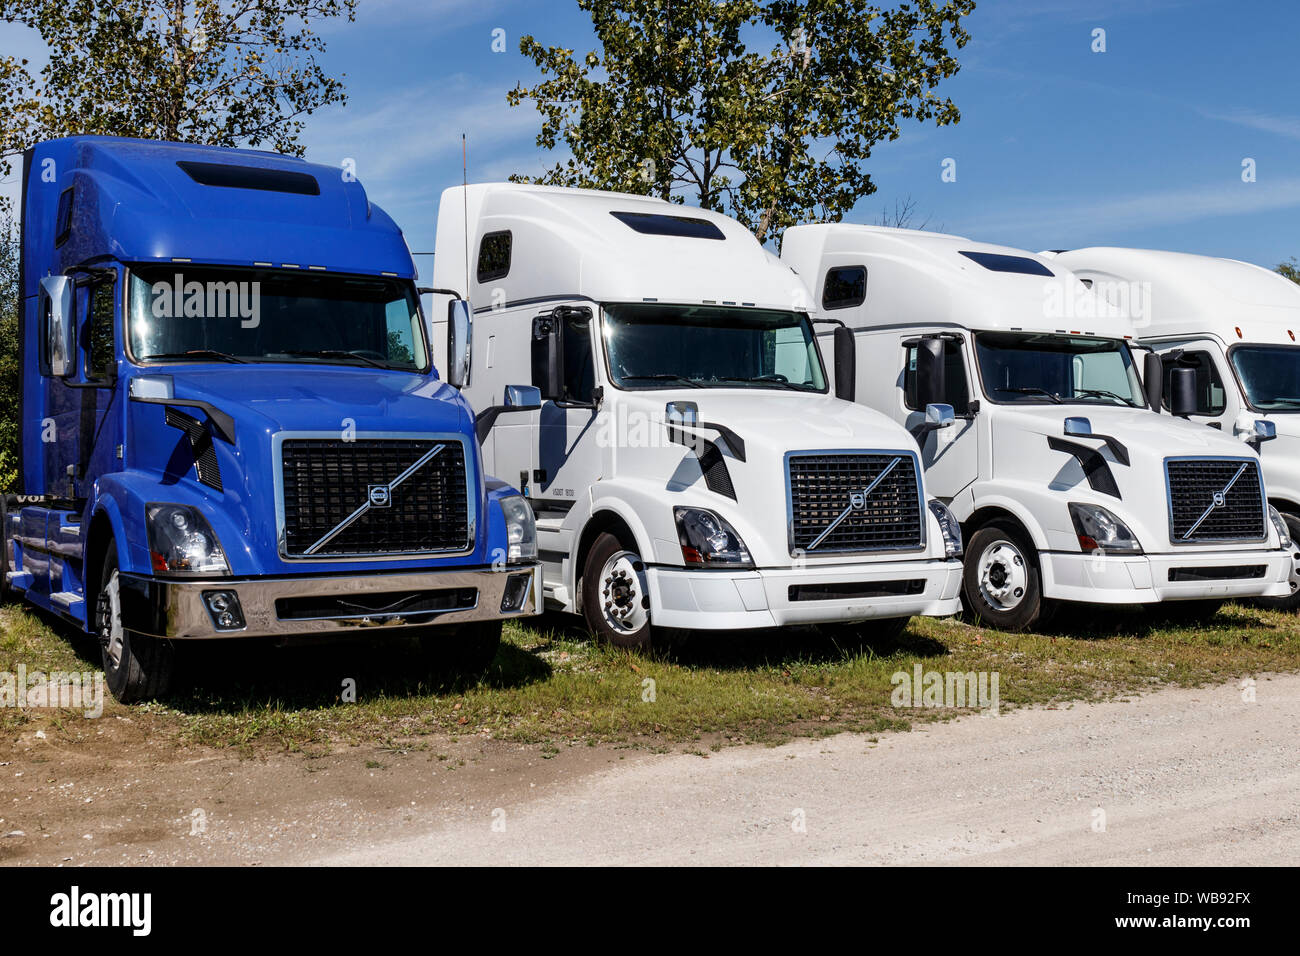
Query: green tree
[[1290, 269], [199, 71], [8, 355], [677, 102]]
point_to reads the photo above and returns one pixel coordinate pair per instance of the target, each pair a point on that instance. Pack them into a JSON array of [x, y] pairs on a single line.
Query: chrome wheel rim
[[1003, 576], [109, 612], [624, 597]]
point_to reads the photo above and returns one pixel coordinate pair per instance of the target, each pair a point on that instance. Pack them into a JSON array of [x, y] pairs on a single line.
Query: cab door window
[[954, 378], [579, 363], [101, 300], [1211, 399]]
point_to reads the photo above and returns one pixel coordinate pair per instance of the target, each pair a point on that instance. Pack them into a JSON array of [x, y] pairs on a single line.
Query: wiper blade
[[1034, 391], [199, 353], [334, 353], [1105, 393], [767, 380], [663, 377]]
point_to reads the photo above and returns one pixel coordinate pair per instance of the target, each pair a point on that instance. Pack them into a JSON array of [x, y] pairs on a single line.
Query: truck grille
[[326, 480], [831, 509], [1215, 499]]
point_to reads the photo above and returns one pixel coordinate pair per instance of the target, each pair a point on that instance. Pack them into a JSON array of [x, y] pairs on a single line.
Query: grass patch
[[553, 686]]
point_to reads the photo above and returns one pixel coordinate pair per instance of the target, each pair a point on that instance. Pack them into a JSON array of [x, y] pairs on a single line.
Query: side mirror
[[931, 384], [1254, 430], [460, 330], [523, 398], [60, 329], [846, 363], [548, 356], [1182, 392], [1153, 380], [939, 416], [1078, 428]]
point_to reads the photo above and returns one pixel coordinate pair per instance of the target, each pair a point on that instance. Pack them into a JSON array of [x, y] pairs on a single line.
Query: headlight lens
[[952, 542], [1099, 530], [181, 541], [1283, 532], [708, 541], [521, 530]]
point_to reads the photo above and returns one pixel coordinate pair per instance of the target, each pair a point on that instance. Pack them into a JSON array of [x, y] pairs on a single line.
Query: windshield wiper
[[663, 377], [1034, 391], [1105, 393], [334, 353], [770, 379], [199, 353]]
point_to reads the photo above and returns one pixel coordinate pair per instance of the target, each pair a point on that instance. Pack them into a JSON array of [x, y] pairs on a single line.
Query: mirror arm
[[428, 290]]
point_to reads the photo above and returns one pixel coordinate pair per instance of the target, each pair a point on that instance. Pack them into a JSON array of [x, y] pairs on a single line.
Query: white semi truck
[[1233, 326], [1067, 486], [651, 378]]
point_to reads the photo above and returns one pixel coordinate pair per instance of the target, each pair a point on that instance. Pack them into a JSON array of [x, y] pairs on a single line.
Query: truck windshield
[[666, 346], [1270, 374], [1038, 369], [178, 314]]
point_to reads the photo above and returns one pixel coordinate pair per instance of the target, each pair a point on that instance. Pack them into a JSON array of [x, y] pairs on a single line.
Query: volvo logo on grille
[[377, 496], [1217, 501], [857, 502]]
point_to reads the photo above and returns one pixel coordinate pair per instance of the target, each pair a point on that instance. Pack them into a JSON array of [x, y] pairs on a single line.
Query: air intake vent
[[251, 177]]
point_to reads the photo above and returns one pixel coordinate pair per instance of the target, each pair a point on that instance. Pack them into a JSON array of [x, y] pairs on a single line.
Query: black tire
[[1182, 612], [1001, 560], [136, 667], [615, 598], [465, 652], [1291, 603]]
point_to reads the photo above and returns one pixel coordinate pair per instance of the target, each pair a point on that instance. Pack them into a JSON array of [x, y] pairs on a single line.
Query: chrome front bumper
[[272, 607]]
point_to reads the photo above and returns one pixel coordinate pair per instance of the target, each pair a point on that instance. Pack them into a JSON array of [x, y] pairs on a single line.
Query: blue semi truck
[[231, 422]]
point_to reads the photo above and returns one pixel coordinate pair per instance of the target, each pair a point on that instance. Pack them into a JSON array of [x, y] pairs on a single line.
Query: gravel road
[[1176, 777]]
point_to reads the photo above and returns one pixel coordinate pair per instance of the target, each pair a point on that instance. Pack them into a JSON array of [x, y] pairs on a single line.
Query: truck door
[[73, 439], [950, 456]]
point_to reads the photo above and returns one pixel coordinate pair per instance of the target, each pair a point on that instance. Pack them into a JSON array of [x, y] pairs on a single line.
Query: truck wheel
[[1182, 613], [1291, 603], [1001, 585], [465, 651], [615, 595], [136, 667]]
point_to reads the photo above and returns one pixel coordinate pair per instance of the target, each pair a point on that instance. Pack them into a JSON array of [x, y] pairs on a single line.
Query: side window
[[63, 218], [1210, 396], [494, 256], [846, 286], [100, 318], [579, 370], [955, 375]]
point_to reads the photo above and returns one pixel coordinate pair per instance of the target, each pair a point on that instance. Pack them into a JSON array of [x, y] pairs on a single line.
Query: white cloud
[[1287, 126]]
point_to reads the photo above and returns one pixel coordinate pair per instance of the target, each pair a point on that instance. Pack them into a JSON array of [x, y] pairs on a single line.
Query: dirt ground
[[1179, 776]]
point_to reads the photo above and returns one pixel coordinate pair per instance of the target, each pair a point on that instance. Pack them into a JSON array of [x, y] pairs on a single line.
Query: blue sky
[[1058, 146]]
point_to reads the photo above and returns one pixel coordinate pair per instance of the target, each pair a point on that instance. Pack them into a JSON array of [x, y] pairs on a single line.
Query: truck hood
[[770, 424], [270, 398], [1023, 458]]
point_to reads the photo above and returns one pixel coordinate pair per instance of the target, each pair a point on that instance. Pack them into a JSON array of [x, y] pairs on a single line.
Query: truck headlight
[[1283, 532], [708, 541], [180, 540], [1099, 530], [948, 524], [521, 530]]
